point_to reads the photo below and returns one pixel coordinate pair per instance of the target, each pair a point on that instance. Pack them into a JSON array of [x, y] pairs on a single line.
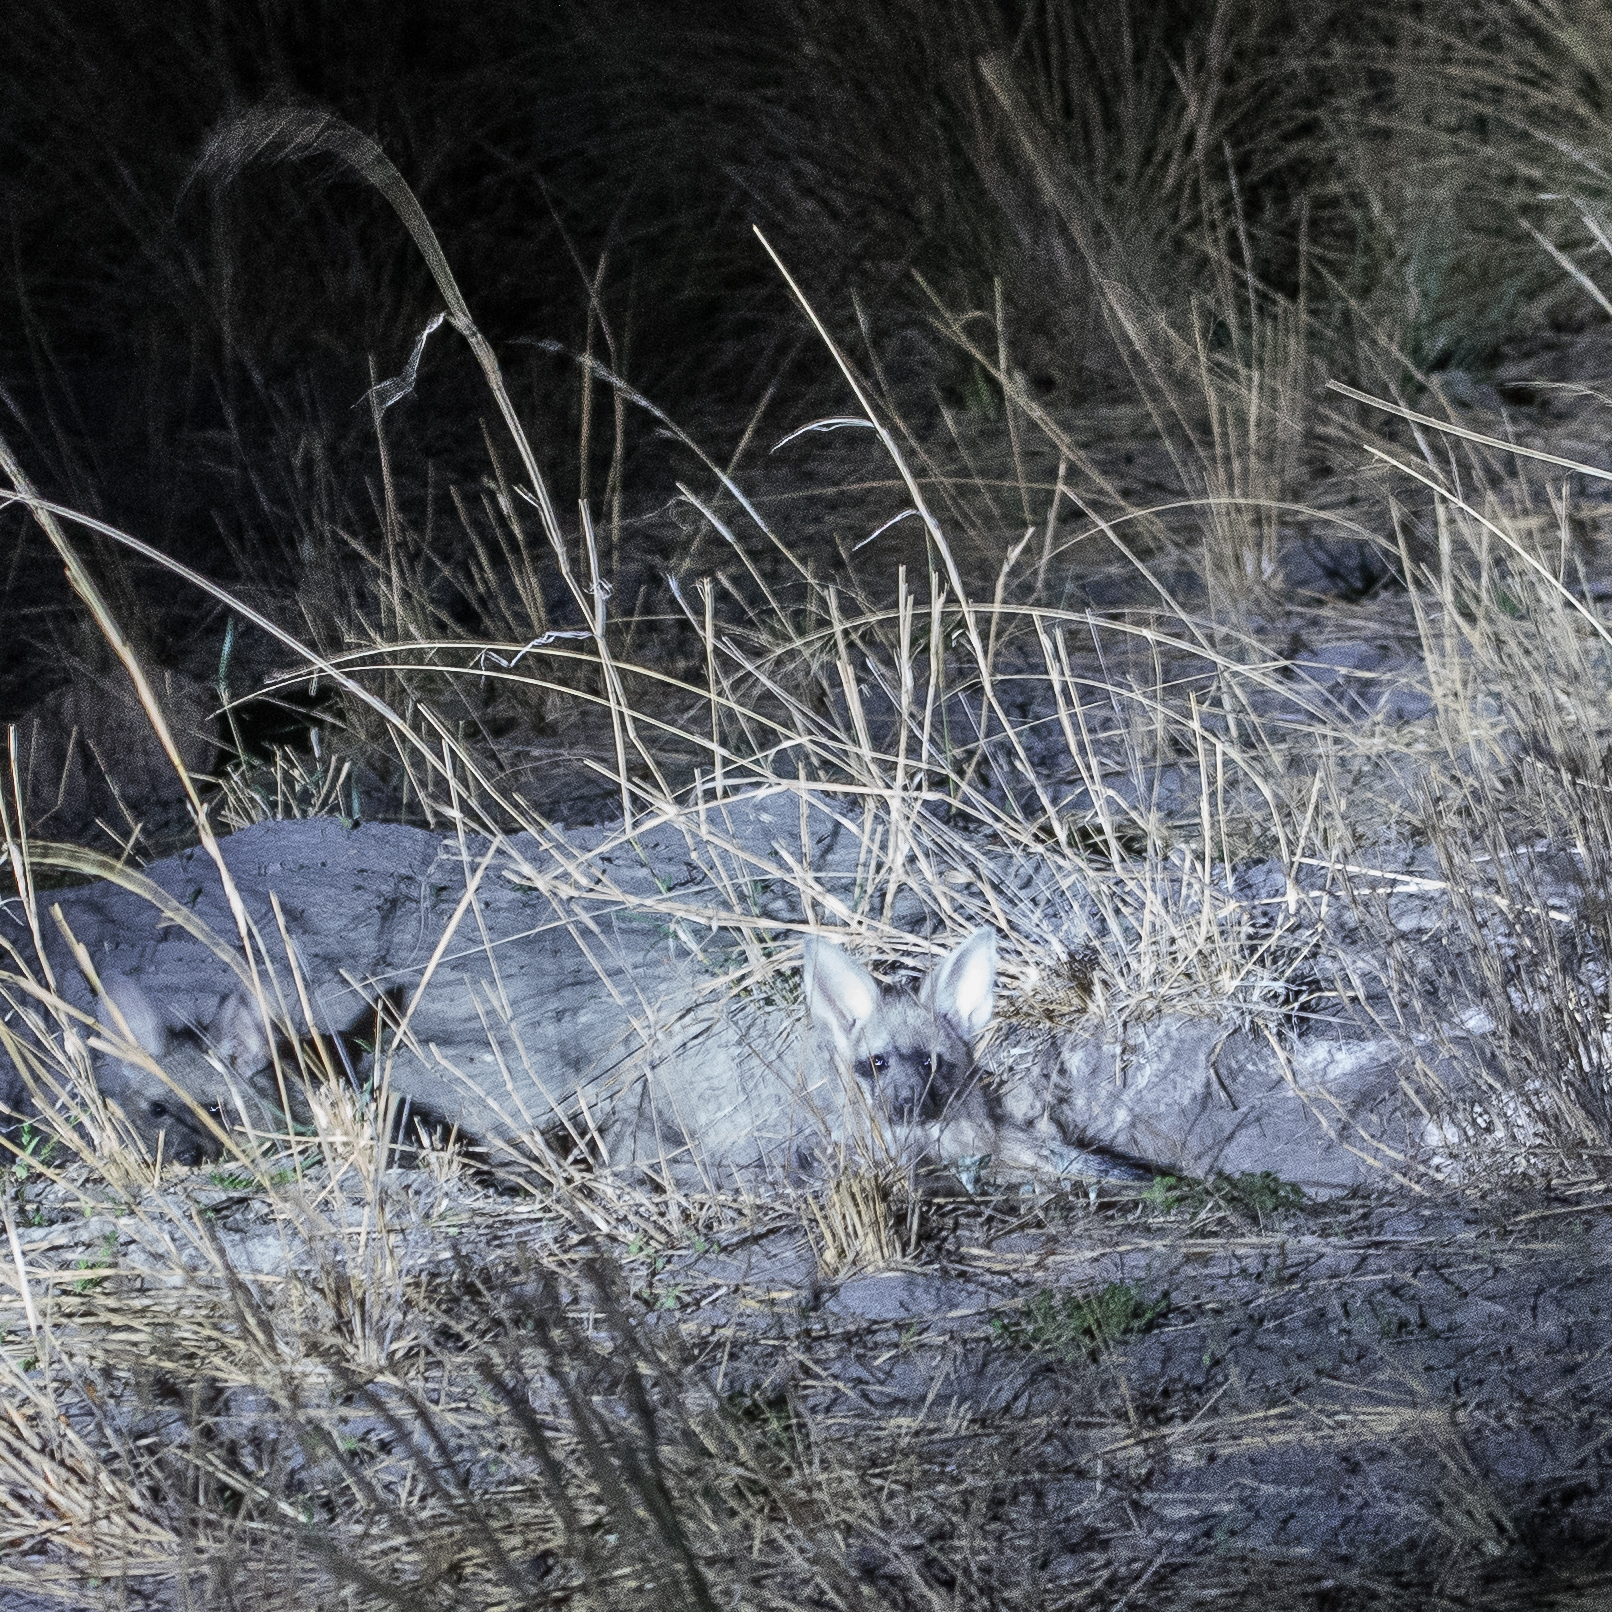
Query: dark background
[[182, 355]]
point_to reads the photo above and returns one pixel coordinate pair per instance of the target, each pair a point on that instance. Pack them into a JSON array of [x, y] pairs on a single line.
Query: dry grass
[[279, 1395]]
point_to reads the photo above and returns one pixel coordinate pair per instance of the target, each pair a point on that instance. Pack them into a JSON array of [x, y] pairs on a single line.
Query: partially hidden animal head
[[218, 1068], [910, 1048]]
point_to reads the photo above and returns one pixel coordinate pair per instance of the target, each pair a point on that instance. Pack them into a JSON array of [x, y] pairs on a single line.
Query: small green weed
[[240, 1181], [1255, 1195], [34, 1150], [106, 1253], [770, 1416], [1069, 1324]]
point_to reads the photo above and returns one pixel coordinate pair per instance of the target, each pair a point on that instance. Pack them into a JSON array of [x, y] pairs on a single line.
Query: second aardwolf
[[219, 1070]]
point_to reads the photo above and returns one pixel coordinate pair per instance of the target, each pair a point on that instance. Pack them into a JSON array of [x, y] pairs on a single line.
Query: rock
[[1199, 1099]]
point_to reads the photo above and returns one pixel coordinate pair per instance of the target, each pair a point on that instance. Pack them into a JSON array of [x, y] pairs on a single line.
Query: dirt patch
[[1055, 1402]]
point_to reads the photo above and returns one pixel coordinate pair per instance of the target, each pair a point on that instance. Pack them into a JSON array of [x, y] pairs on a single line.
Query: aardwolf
[[906, 1057], [885, 1071]]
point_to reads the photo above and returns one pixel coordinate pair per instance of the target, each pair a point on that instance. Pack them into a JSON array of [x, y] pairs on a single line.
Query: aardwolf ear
[[841, 994], [141, 1017], [961, 987], [236, 1035]]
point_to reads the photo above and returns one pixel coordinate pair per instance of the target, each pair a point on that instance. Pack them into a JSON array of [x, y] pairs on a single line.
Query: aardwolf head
[[218, 1069], [909, 1049], [221, 1072]]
